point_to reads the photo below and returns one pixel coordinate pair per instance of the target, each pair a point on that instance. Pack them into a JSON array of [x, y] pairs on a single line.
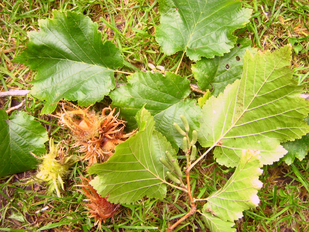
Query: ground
[[130, 25]]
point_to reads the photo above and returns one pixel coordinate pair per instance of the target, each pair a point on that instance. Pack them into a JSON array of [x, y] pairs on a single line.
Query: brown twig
[[191, 212], [11, 49], [15, 107], [192, 203], [14, 93], [189, 186], [195, 88]]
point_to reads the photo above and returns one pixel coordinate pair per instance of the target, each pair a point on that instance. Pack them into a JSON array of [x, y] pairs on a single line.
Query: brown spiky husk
[[99, 207], [96, 135]]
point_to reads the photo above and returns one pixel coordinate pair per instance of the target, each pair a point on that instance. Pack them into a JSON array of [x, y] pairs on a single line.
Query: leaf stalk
[[201, 157], [123, 72]]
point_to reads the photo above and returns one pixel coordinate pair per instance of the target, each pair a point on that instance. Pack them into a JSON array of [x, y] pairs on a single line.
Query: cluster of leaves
[[255, 105]]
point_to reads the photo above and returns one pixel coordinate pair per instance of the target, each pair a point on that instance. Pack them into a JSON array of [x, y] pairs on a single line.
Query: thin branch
[[11, 49], [191, 212], [195, 88], [15, 107], [189, 185], [192, 203], [14, 93]]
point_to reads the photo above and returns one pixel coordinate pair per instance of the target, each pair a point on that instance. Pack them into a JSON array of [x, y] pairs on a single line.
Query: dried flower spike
[[99, 207], [95, 135]]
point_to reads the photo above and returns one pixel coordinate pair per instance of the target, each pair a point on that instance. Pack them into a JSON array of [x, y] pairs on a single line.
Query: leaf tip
[[255, 200], [257, 184]]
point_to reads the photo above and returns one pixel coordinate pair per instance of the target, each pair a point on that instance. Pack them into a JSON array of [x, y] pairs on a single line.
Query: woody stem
[[192, 203]]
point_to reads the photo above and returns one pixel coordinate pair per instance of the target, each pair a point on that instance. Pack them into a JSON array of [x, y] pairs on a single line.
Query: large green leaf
[[240, 192], [164, 97], [71, 60], [134, 171], [217, 73], [216, 224], [296, 149], [19, 136], [200, 28], [257, 112]]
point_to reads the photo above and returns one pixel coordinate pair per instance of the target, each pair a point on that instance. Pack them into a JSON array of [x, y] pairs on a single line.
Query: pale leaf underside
[[257, 112], [216, 224]]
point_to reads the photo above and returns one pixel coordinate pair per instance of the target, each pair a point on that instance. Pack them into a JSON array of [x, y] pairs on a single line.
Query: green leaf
[[19, 136], [200, 28], [164, 97], [71, 60], [217, 73], [258, 112], [216, 224], [134, 171], [240, 192], [296, 149]]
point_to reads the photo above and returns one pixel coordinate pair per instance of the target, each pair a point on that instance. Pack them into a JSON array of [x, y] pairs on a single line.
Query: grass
[[130, 25], [280, 22], [284, 200]]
